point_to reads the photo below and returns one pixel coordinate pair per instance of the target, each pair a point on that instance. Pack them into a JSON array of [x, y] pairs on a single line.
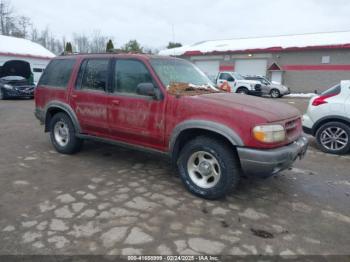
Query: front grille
[[293, 129]]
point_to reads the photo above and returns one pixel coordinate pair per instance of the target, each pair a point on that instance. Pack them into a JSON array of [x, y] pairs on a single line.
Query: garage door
[[210, 68], [251, 67]]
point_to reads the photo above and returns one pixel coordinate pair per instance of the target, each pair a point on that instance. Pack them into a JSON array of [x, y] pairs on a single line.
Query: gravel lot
[[109, 200]]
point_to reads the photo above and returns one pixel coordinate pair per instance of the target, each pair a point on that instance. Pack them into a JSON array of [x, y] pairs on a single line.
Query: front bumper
[[265, 163], [19, 92]]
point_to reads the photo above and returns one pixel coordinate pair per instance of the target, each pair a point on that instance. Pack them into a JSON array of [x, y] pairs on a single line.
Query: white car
[[328, 119], [239, 84]]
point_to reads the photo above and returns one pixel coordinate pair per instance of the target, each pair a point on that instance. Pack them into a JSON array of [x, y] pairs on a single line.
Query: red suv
[[140, 101]]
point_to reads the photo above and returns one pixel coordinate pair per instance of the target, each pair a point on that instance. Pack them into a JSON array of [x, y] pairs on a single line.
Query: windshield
[[179, 71], [238, 76]]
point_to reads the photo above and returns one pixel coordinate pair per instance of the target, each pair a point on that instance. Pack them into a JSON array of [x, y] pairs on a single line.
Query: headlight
[[8, 86], [269, 133]]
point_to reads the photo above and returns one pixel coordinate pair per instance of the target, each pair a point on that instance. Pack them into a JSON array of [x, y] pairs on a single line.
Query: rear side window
[[335, 90], [93, 74], [57, 73]]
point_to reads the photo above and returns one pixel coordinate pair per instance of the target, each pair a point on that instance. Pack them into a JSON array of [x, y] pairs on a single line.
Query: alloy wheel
[[61, 133], [204, 169], [334, 138]]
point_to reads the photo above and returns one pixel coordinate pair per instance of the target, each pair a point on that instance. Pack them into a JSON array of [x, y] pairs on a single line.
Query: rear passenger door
[[135, 118], [89, 97]]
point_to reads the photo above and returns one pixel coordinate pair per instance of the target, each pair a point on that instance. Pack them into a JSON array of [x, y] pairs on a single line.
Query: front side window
[[57, 73], [128, 74], [94, 74], [227, 77]]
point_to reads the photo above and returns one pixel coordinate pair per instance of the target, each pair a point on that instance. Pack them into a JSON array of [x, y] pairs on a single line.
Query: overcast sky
[[150, 22]]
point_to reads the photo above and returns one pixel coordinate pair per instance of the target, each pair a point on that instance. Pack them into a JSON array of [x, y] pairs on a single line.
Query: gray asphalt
[[110, 200]]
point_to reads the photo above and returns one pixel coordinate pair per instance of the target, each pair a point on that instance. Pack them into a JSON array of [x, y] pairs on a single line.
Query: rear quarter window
[[57, 73], [335, 90]]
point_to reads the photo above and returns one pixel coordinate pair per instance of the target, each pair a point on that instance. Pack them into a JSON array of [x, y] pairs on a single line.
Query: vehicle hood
[[264, 108], [15, 68]]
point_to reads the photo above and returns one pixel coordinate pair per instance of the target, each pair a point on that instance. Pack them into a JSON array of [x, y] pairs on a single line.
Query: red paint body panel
[[151, 123], [227, 68]]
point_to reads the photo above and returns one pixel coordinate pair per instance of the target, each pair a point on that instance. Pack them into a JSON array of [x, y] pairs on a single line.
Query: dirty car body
[[213, 137]]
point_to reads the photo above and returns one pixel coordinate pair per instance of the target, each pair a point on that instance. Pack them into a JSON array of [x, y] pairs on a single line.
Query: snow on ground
[[19, 46], [285, 41], [301, 95]]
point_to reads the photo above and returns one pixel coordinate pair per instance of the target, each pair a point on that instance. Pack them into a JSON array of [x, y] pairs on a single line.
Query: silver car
[[275, 90]]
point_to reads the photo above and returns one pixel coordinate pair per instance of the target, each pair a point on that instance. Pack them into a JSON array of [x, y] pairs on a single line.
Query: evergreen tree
[[110, 46], [173, 45], [68, 48]]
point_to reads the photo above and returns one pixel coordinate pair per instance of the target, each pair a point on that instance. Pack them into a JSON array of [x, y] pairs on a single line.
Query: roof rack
[[116, 51]]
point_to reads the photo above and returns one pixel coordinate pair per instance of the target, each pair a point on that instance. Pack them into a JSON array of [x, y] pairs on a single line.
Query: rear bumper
[[264, 163]]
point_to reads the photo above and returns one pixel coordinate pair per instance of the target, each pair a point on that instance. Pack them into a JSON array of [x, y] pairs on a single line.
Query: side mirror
[[148, 89]]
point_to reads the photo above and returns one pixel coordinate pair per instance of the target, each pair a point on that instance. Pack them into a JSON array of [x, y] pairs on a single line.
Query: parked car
[[16, 80], [328, 119], [241, 85], [274, 89], [167, 105]]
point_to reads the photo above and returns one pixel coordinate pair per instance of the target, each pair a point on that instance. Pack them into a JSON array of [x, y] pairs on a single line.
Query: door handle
[[74, 96], [116, 102]]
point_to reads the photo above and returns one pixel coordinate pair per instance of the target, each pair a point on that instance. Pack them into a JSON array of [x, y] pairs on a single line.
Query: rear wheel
[[242, 90], [275, 93], [209, 168], [62, 134], [334, 138]]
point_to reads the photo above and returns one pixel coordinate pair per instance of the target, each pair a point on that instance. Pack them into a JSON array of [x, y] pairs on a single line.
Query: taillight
[[322, 99]]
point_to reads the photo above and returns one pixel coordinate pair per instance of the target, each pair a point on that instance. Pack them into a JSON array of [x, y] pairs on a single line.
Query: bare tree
[[6, 12], [81, 43], [98, 42], [23, 23]]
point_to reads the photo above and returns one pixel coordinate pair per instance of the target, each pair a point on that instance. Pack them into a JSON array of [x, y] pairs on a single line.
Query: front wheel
[[62, 134], [209, 168], [334, 138], [275, 93], [243, 91]]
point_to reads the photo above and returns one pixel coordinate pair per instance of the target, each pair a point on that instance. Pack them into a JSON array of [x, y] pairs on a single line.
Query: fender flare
[[67, 109], [330, 118], [218, 128]]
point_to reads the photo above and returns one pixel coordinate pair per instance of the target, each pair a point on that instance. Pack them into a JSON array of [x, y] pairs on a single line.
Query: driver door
[[134, 118], [228, 78]]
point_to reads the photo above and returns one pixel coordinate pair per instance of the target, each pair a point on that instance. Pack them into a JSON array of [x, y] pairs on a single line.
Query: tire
[[275, 93], [223, 174], [334, 138], [2, 95], [242, 90], [62, 135]]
